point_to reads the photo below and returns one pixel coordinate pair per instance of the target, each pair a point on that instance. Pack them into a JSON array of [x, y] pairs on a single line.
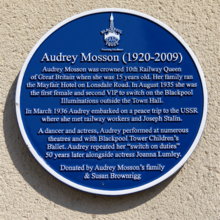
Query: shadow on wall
[[53, 189]]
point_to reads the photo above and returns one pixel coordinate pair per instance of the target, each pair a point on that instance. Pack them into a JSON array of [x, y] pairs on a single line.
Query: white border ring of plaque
[[116, 192]]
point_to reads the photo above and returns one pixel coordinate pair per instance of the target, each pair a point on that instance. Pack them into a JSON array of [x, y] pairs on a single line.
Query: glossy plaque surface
[[111, 101]]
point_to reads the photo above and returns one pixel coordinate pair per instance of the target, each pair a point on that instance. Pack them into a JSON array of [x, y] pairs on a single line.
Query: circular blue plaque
[[111, 101]]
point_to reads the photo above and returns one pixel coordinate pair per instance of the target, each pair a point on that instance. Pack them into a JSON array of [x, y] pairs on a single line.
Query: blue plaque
[[111, 101]]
